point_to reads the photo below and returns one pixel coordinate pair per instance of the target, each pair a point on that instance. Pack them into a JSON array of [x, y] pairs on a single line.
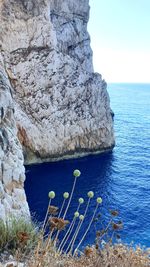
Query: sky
[[120, 39]]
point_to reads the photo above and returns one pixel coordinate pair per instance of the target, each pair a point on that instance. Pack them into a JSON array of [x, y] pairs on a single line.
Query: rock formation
[[12, 195], [52, 104]]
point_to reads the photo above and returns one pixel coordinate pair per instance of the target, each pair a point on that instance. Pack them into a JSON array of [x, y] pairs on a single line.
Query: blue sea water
[[121, 177]]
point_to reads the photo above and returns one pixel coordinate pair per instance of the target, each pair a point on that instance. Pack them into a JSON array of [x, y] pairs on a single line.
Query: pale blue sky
[[120, 39]]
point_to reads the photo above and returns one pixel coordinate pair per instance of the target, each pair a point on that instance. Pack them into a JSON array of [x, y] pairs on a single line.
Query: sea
[[121, 177]]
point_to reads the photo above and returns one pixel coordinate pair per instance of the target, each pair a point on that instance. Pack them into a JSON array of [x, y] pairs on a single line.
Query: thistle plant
[[109, 232], [70, 229], [90, 195], [81, 200], [72, 242], [65, 196], [69, 232], [57, 224], [46, 243], [51, 196], [99, 201], [76, 174]]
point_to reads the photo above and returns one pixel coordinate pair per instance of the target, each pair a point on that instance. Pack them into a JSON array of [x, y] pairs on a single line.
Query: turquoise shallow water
[[122, 177]]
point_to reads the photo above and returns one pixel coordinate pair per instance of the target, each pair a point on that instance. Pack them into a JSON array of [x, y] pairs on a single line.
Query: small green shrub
[[17, 234]]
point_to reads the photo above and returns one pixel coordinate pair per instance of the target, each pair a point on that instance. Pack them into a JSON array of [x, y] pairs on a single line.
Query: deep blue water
[[121, 178]]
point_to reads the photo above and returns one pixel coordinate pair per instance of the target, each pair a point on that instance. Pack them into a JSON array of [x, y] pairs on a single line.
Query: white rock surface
[[61, 106], [13, 264], [12, 195]]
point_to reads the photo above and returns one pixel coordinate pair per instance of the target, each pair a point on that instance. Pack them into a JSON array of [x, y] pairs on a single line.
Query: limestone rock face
[[58, 107], [61, 106], [12, 195]]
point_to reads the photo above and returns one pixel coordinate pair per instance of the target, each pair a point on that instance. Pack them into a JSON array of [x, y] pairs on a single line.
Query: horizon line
[[127, 82]]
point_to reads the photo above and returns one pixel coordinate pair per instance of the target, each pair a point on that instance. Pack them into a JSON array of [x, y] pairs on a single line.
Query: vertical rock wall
[[58, 107], [12, 195]]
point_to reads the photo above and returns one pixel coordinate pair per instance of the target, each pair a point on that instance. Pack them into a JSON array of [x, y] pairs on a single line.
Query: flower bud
[[76, 214], [81, 217], [66, 195], [51, 194], [76, 173], [81, 200], [90, 194], [99, 200]]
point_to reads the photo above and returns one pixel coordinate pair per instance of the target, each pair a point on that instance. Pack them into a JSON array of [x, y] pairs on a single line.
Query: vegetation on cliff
[[41, 246]]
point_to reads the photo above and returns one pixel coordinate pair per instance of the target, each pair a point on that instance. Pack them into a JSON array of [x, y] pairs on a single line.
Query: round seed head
[[76, 214], [90, 194], [81, 200], [99, 200], [66, 195], [76, 173], [81, 217], [51, 194]]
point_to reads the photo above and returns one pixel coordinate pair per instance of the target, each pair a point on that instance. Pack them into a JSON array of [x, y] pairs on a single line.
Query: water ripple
[[122, 178]]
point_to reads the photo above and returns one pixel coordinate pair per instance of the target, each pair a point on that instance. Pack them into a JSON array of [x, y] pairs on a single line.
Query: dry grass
[[17, 234], [39, 246], [111, 256], [29, 246]]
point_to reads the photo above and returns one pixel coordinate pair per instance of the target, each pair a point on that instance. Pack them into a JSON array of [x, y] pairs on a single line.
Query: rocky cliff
[[12, 195], [52, 104]]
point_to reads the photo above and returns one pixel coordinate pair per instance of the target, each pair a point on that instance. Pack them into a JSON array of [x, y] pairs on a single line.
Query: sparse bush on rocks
[[41, 247], [18, 237]]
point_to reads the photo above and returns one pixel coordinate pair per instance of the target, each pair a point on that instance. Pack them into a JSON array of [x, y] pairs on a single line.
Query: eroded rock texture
[[12, 195], [60, 106]]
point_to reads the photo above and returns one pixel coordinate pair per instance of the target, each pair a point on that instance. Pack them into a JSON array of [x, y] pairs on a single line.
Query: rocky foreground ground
[[112, 256]]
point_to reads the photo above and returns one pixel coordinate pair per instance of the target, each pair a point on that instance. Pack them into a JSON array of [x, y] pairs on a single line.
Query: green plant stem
[[43, 227], [62, 208], [69, 233], [58, 231], [86, 229], [107, 228], [87, 206], [78, 207], [78, 228], [63, 240], [74, 236], [48, 240], [68, 230], [73, 187]]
